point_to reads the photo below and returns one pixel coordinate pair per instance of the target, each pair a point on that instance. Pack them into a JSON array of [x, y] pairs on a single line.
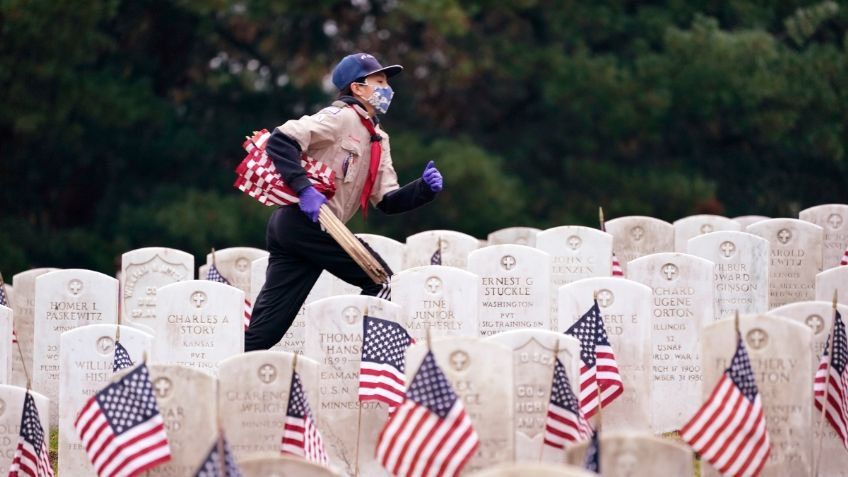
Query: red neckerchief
[[376, 152]]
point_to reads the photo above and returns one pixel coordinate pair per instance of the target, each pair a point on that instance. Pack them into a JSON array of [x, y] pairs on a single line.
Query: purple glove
[[432, 177], [310, 202]]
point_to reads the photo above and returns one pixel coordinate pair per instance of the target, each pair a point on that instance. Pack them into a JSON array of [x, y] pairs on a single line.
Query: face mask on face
[[381, 98]]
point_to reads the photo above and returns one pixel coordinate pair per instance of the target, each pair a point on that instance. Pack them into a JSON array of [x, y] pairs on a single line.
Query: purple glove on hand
[[310, 202], [432, 177]]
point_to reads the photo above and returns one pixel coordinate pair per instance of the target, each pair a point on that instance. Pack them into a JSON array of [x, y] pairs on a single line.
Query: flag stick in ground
[[828, 353], [222, 461], [24, 366], [118, 327], [553, 378]]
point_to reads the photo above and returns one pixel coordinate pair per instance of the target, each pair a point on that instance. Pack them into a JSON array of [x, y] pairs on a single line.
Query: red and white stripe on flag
[[844, 260], [604, 374], [381, 382], [31, 455], [301, 438], [248, 310], [258, 178], [837, 399], [616, 267]]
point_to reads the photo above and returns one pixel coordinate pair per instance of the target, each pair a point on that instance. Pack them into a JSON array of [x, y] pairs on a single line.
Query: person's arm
[[411, 196], [285, 152]]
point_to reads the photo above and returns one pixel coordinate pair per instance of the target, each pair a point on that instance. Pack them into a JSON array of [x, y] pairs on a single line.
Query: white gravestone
[[145, 270], [683, 288], [830, 280], [576, 252], [514, 236], [253, 395], [24, 308], [440, 298], [11, 409], [626, 309], [535, 469], [631, 454], [818, 316], [833, 219], [234, 264], [198, 323], [87, 355], [746, 220], [696, 225], [532, 370], [480, 372], [64, 300], [515, 287], [781, 358], [454, 250], [186, 399], [390, 250], [334, 340], [637, 236], [6, 352], [794, 261], [741, 270], [276, 465]]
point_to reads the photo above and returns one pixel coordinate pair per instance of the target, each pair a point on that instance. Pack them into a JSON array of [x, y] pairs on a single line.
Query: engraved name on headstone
[[334, 340], [794, 260], [87, 354], [145, 270], [455, 247], [683, 288], [23, 305], [533, 366], [781, 358], [626, 309], [515, 287], [480, 372], [64, 300], [696, 225], [833, 219], [198, 323], [637, 236], [440, 298], [253, 393], [741, 270]]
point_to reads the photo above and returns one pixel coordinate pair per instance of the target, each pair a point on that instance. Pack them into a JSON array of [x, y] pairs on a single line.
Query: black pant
[[299, 251]]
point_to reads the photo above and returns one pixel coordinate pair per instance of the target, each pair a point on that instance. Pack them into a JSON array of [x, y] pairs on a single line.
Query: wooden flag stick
[[550, 394], [827, 349], [601, 219], [352, 245], [736, 325], [213, 258], [118, 327], [23, 365]]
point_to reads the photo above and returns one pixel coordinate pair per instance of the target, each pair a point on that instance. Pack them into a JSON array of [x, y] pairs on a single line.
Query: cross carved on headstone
[[835, 221], [574, 242], [267, 373], [784, 235], [351, 314], [637, 233], [605, 298], [757, 338], [459, 360], [75, 286], [727, 249], [508, 261], [162, 386], [198, 299], [670, 271], [433, 284]]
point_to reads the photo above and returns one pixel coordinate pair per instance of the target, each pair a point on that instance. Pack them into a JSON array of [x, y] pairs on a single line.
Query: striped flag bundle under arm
[[212, 465], [430, 434], [564, 422], [31, 456], [599, 368], [213, 275], [381, 369], [729, 430], [832, 381], [121, 428], [258, 178], [300, 436]]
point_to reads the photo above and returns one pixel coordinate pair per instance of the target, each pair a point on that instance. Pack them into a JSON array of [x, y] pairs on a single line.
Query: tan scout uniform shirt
[[336, 137]]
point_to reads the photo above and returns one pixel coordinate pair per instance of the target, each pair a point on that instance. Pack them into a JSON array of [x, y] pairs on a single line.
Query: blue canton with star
[[839, 345], [211, 466], [298, 406], [431, 389], [31, 429], [589, 329], [561, 393], [384, 342], [214, 275], [129, 402], [740, 372], [122, 358]]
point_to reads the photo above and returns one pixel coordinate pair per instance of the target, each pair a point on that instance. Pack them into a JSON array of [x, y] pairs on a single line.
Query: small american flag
[[599, 367], [833, 380], [213, 465], [616, 267], [300, 436], [4, 300], [31, 457], [258, 177], [844, 260], [121, 428], [381, 369], [122, 358], [436, 258], [593, 454], [564, 422], [430, 434], [729, 430], [213, 275]]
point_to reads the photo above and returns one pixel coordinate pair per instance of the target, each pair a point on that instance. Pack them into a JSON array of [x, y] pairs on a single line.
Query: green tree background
[[121, 121]]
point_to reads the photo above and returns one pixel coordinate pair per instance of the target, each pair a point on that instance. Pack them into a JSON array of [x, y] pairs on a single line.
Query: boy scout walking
[[347, 137]]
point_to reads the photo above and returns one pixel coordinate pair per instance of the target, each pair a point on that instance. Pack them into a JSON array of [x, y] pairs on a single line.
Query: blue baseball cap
[[359, 65]]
